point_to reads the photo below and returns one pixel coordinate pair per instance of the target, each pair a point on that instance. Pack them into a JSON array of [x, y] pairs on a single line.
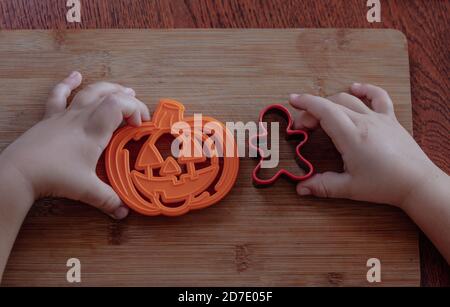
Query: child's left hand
[[58, 156]]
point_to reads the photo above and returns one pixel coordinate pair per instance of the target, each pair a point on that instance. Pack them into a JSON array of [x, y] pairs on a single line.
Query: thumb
[[328, 185], [57, 101], [101, 196]]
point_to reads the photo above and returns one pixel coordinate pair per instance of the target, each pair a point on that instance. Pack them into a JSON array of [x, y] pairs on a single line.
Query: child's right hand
[[382, 162]]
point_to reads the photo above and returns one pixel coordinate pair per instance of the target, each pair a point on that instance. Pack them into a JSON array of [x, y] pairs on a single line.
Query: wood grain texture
[[251, 237], [424, 22]]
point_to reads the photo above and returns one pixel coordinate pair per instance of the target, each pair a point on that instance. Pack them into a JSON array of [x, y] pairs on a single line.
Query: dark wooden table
[[424, 22]]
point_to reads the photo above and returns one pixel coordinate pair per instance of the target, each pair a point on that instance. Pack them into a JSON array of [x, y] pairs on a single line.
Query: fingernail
[[73, 74], [146, 117], [120, 212], [356, 84], [130, 91], [304, 191], [293, 96]]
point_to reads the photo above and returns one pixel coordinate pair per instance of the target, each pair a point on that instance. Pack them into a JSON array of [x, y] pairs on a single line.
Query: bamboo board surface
[[254, 237]]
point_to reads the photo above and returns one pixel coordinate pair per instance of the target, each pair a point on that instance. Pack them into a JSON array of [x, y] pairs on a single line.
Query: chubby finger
[[135, 119], [349, 101], [101, 196], [96, 91], [304, 120], [328, 185], [333, 119], [143, 109], [380, 100], [57, 101], [112, 111]]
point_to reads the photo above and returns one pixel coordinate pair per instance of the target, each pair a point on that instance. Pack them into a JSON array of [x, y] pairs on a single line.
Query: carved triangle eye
[[149, 156]]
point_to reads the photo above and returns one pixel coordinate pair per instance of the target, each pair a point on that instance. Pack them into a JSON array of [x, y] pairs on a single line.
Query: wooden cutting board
[[255, 237]]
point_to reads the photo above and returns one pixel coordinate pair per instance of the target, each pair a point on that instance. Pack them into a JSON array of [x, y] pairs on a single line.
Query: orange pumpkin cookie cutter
[[157, 186]]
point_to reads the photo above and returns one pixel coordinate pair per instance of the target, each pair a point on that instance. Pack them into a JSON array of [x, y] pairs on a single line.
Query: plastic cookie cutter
[[290, 132], [173, 186]]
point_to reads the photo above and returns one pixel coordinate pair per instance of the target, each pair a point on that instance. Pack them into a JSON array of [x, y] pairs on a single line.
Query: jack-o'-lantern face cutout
[[196, 178]]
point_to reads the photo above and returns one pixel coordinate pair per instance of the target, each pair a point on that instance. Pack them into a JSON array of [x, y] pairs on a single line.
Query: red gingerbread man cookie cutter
[[172, 186], [290, 132]]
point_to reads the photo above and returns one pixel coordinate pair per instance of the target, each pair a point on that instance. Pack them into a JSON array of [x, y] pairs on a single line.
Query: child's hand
[[58, 156], [382, 162]]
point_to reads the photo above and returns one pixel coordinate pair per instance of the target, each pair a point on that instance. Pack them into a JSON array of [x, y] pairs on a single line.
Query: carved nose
[[170, 167]]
